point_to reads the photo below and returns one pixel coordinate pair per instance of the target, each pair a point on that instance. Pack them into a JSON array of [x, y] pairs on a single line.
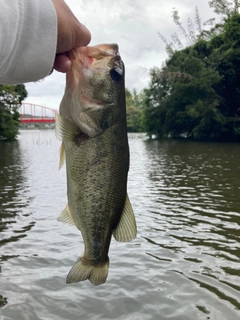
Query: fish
[[92, 127]]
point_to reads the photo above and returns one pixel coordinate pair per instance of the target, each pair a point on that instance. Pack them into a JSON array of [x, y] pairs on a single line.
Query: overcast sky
[[134, 26]]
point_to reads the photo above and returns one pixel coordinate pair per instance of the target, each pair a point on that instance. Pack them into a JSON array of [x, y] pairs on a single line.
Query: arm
[[28, 40], [35, 36]]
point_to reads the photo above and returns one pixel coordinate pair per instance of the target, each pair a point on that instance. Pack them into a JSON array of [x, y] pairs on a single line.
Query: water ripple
[[184, 264]]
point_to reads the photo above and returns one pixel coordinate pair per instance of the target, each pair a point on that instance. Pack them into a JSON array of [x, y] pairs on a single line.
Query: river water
[[183, 265]]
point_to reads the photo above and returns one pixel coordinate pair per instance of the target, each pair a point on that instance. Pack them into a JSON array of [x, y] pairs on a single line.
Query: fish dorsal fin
[[66, 130], [65, 216], [126, 229], [62, 156]]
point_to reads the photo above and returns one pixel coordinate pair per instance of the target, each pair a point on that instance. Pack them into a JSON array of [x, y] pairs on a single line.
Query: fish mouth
[[86, 55], [111, 49], [88, 60], [95, 79]]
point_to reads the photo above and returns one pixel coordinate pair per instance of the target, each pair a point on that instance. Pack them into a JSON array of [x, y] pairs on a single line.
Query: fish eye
[[115, 75]]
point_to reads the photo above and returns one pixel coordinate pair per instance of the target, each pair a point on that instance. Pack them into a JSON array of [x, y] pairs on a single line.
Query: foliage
[[10, 98], [190, 34], [225, 8], [196, 94], [135, 116]]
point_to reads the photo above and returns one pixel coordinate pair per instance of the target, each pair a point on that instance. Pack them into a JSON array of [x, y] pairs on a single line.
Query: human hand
[[71, 34]]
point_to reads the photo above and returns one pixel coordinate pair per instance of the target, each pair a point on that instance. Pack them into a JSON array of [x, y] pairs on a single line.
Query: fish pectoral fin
[[126, 229], [65, 216], [65, 129], [62, 156]]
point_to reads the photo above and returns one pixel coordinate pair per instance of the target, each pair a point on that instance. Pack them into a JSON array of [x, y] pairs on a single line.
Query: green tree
[[135, 115], [11, 97], [182, 100], [191, 33], [196, 94], [226, 59], [225, 8]]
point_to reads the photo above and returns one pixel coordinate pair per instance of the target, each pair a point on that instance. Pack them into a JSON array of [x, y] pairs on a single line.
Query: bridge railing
[[33, 113]]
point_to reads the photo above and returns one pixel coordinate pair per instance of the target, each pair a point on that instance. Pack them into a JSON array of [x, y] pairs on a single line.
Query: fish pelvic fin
[[126, 229], [65, 216], [62, 156], [83, 270], [65, 129]]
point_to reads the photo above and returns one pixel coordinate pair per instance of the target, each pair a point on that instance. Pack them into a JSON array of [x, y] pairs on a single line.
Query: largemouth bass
[[92, 127]]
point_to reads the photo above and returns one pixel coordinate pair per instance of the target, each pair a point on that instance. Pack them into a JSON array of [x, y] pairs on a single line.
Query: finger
[[62, 63], [83, 36]]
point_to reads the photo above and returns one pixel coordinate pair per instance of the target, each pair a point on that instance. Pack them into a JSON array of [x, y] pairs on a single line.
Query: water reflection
[[184, 264], [14, 201], [195, 188], [13, 187], [3, 301]]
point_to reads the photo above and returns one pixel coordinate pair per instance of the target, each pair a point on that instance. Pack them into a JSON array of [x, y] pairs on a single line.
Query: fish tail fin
[[83, 270]]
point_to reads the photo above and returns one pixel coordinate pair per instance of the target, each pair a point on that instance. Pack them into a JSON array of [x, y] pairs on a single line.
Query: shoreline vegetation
[[195, 95]]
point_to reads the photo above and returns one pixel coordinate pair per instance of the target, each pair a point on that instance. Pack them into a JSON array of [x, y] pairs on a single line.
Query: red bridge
[[33, 113]]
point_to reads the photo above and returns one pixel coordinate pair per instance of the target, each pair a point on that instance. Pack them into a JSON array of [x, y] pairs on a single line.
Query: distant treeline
[[196, 94]]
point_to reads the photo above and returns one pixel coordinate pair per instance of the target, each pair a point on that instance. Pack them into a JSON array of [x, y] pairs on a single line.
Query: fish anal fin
[[126, 229], [65, 216], [83, 270]]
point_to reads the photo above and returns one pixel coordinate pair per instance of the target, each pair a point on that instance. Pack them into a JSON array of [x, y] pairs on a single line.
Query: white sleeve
[[28, 40]]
